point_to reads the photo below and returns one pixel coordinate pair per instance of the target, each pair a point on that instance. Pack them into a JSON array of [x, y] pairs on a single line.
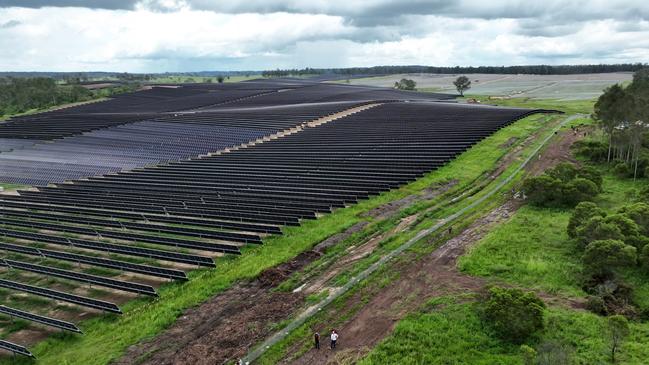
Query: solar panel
[[16, 349], [39, 319], [86, 278], [55, 294]]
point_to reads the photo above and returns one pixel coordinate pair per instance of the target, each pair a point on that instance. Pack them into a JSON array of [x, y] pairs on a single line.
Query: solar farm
[[122, 196]]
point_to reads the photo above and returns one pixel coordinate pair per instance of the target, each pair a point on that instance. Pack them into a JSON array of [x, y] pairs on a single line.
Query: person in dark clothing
[[316, 339]]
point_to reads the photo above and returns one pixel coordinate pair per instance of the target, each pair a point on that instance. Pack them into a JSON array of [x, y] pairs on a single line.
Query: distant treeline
[[20, 95], [529, 69]]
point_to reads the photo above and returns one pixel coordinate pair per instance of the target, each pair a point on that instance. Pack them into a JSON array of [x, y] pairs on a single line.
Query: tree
[[564, 172], [609, 111], [578, 190], [598, 228], [639, 213], [542, 190], [220, 79], [462, 84], [604, 257], [405, 84], [618, 331], [583, 212], [513, 314]]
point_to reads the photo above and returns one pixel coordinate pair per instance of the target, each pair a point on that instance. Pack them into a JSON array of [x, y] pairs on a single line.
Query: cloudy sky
[[195, 35]]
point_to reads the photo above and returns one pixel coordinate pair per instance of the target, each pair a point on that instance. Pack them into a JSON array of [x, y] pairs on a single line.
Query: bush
[[564, 185], [542, 190], [639, 213], [602, 258], [643, 195], [513, 314], [564, 172], [596, 229], [643, 257], [584, 211], [592, 174], [594, 151], [621, 169], [578, 190]]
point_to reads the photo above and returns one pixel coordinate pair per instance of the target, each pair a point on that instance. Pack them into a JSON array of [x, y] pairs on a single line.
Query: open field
[[557, 87]]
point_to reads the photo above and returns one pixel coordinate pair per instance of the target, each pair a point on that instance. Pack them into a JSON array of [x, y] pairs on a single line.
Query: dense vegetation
[[563, 185], [623, 114], [528, 69], [20, 95]]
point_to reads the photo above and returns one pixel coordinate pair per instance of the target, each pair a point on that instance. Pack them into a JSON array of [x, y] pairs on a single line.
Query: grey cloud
[[94, 4], [9, 24]]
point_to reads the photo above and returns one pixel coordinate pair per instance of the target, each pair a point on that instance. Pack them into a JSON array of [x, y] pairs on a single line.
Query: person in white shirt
[[334, 338]]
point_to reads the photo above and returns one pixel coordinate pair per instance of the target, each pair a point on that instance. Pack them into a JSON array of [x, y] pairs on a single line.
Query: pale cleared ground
[[559, 87]]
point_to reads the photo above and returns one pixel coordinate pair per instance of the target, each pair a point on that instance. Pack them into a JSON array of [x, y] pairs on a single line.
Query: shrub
[[621, 169], [528, 354], [564, 172], [564, 185], [592, 174], [604, 257], [643, 195], [513, 314], [639, 213], [578, 190], [542, 190], [595, 229], [584, 211], [643, 257], [629, 229], [594, 151], [618, 331]]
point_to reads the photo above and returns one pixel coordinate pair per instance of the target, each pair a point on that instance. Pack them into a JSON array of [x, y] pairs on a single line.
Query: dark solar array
[[160, 221], [162, 139], [126, 108]]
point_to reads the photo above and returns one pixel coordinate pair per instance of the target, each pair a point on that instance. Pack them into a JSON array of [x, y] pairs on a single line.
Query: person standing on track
[[316, 339], [334, 338]]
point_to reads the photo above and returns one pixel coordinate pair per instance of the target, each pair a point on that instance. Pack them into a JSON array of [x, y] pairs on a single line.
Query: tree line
[[20, 95], [525, 69]]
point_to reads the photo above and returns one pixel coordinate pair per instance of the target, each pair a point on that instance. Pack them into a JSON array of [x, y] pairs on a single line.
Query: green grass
[[568, 106], [451, 332], [106, 337], [529, 250]]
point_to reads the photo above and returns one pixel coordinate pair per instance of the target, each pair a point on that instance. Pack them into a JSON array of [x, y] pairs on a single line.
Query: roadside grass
[[107, 336], [450, 331]]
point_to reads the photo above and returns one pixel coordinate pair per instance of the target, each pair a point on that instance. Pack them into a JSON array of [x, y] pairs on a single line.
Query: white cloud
[[175, 35]]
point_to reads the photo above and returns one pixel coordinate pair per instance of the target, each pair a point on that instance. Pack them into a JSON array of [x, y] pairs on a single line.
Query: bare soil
[[226, 326], [419, 281]]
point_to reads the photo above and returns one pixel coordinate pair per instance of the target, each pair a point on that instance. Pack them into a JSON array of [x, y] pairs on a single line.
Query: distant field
[[558, 87]]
